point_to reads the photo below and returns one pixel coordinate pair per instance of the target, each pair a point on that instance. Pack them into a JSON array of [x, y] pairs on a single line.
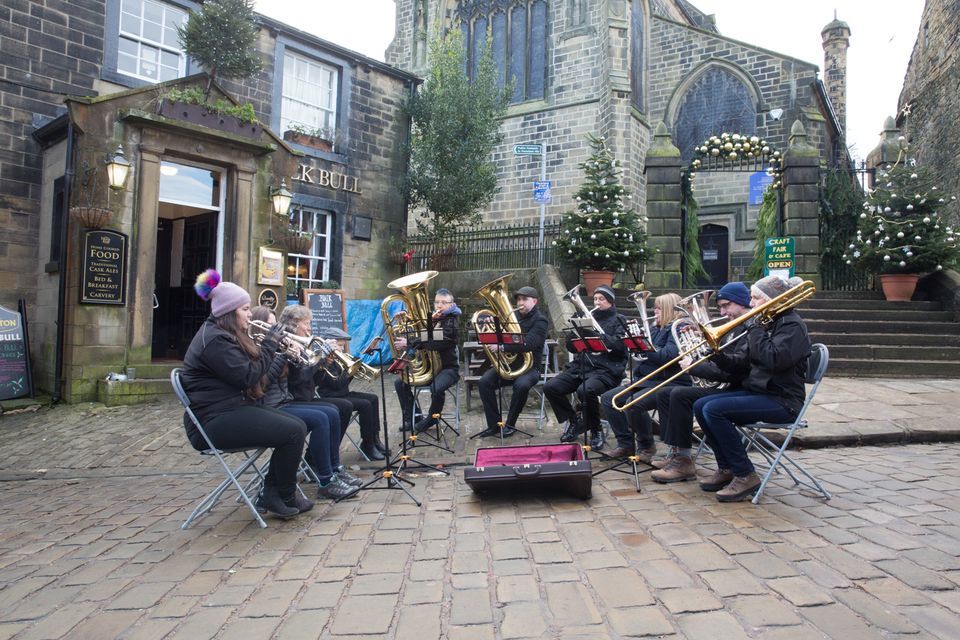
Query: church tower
[[836, 41]]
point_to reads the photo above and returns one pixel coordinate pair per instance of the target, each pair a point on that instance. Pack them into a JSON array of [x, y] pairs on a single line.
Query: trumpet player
[[590, 375], [533, 326], [636, 419], [675, 404], [773, 391], [222, 370]]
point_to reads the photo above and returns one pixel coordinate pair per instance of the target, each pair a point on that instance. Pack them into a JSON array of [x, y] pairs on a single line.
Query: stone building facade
[[928, 112], [617, 68], [195, 197]]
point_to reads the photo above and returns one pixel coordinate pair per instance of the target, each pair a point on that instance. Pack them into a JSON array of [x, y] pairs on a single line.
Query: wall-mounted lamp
[[281, 199], [117, 168]]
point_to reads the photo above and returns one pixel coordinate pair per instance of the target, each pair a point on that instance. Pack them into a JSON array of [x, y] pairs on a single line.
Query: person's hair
[[229, 323], [293, 315], [445, 293], [262, 313], [667, 304]]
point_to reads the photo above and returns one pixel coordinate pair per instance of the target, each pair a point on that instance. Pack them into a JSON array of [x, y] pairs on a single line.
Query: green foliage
[[195, 95], [900, 229], [315, 132], [841, 201], [766, 228], [601, 234], [222, 37], [692, 260], [455, 128]]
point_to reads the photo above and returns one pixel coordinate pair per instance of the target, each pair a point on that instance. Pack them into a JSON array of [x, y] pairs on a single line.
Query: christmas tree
[[900, 229], [602, 234]]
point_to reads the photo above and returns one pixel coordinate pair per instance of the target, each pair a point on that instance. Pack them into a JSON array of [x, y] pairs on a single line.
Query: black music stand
[[392, 476], [500, 337]]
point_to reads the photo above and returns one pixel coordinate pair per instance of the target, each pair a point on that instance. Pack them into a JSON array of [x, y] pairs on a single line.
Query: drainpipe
[[62, 268]]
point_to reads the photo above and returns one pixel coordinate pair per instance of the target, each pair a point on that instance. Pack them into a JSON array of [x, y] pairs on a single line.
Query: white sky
[[882, 37]]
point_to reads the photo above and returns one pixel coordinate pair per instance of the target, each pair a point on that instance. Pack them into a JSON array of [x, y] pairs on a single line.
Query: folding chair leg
[[780, 460], [208, 503]]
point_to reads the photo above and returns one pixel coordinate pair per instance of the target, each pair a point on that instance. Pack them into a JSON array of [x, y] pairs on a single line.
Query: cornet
[[574, 297], [298, 350]]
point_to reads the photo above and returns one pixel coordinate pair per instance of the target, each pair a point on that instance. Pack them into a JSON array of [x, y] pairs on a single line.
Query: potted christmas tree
[[602, 236], [900, 234]]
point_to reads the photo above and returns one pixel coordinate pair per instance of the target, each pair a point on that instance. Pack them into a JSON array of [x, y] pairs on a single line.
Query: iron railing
[[489, 247]]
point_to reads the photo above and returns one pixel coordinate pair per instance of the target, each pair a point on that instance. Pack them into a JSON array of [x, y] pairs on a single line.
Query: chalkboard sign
[[104, 274], [14, 381], [327, 309]]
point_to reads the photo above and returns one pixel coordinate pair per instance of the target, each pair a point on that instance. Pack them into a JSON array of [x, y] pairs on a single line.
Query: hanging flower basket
[[296, 243], [91, 217]]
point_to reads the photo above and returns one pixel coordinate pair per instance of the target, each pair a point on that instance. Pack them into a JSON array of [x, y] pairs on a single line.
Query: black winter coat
[[612, 363], [446, 347], [534, 328], [667, 350]]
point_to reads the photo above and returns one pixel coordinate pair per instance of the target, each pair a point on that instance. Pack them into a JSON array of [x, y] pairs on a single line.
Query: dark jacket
[[301, 384], [534, 328], [446, 347], [328, 387], [611, 363], [216, 373], [710, 370], [775, 360], [667, 350]]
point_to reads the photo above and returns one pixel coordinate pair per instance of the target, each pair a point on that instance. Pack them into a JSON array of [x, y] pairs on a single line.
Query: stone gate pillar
[[662, 169], [801, 202]]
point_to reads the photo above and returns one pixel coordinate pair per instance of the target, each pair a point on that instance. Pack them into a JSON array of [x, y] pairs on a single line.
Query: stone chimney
[[836, 41]]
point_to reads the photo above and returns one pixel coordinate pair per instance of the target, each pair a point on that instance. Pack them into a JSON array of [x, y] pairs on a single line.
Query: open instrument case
[[547, 468]]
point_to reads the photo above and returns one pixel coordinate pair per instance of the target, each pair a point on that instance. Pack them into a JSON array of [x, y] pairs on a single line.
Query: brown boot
[[646, 455], [662, 462], [740, 488], [719, 479], [620, 452], [678, 469]]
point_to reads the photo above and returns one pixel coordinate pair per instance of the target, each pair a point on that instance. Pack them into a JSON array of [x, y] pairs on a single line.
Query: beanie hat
[[770, 287], [607, 293], [224, 297], [735, 292]]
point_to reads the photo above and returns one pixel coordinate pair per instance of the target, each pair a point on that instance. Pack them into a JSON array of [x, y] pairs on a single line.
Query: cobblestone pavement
[[91, 548]]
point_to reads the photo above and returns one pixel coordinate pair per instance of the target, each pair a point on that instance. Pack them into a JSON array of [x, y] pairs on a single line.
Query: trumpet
[[298, 350], [574, 297], [713, 337]]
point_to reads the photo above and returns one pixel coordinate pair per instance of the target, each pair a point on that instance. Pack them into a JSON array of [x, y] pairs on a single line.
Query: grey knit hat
[[770, 287], [607, 293]]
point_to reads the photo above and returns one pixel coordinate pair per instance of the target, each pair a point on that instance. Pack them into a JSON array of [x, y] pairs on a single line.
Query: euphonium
[[424, 364], [509, 366], [713, 338], [574, 297], [695, 310]]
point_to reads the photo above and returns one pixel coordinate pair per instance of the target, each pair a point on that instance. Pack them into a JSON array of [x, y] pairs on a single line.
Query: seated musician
[[533, 326], [322, 420], [222, 370], [590, 374], [367, 405], [636, 419], [773, 390], [445, 317], [675, 404]]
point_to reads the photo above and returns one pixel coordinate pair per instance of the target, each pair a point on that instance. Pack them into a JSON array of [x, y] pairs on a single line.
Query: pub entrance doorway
[[189, 240]]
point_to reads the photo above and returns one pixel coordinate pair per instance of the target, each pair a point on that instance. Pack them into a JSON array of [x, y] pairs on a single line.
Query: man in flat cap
[[533, 328]]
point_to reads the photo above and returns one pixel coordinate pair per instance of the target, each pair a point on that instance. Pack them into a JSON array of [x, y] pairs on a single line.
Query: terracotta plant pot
[[91, 217], [593, 279], [314, 142], [898, 287]]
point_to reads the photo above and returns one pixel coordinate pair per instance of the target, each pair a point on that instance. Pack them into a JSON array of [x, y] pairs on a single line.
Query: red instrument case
[[548, 468]]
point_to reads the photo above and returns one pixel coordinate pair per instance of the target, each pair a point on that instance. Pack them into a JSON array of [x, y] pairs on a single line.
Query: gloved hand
[[271, 341]]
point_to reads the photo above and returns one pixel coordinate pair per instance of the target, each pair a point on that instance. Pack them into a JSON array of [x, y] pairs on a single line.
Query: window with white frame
[[148, 47], [309, 97], [306, 271]]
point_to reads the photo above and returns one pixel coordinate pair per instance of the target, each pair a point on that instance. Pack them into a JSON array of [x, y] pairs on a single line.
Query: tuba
[[713, 337], [509, 366], [424, 364], [574, 297]]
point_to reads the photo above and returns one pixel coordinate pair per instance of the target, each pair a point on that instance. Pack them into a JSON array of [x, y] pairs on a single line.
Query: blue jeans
[[323, 423], [718, 413]]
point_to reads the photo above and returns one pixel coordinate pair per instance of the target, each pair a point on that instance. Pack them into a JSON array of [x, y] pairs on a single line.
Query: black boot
[[597, 439], [424, 425], [299, 502], [269, 501], [370, 449], [572, 431], [382, 447]]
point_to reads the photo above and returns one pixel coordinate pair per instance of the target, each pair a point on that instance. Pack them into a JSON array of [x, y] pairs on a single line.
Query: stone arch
[[716, 82]]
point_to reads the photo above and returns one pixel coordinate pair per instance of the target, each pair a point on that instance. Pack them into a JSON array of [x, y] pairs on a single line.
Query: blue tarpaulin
[[364, 323]]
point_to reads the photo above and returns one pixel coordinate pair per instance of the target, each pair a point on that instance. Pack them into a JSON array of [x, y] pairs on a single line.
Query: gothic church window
[[637, 61], [717, 101], [518, 39]]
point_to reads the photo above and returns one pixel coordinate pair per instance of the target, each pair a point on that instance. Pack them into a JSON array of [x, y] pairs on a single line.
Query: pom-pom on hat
[[607, 293], [770, 287], [224, 297], [735, 292]]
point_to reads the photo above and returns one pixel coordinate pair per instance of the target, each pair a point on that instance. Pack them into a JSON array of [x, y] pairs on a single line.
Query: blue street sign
[[527, 149], [759, 182], [541, 191]]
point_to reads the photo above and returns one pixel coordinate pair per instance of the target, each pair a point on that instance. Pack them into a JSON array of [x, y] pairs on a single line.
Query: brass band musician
[[533, 326]]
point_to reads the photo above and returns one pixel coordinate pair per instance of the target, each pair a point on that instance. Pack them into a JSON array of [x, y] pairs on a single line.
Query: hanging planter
[[91, 217], [295, 242]]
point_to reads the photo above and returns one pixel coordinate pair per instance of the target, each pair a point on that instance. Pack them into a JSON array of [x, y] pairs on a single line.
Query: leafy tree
[[222, 37], [456, 127], [900, 229], [602, 234]]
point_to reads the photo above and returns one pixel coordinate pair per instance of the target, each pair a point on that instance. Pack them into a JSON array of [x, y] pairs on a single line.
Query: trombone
[[712, 337]]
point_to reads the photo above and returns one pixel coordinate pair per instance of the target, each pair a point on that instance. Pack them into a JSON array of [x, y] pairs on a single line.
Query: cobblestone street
[[91, 547]]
